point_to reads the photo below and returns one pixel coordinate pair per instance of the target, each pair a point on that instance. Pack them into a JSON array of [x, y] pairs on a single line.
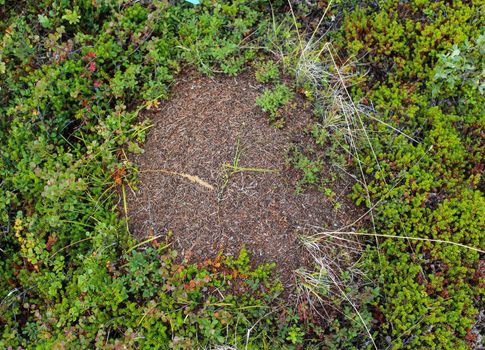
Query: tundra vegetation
[[397, 91]]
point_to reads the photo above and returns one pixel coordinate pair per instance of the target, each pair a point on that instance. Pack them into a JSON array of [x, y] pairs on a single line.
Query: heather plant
[[428, 187]]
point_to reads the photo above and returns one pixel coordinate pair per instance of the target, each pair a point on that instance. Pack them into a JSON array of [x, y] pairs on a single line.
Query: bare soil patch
[[202, 126]]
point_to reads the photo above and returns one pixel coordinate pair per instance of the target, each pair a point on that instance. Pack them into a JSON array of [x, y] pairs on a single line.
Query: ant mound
[[215, 173]]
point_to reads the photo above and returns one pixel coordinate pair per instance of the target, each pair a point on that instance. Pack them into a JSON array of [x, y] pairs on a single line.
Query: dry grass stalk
[[192, 178]]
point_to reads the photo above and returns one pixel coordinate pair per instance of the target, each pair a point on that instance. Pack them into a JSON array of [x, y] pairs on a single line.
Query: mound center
[[214, 172]]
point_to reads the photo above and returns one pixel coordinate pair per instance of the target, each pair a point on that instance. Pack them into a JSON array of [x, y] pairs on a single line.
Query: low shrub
[[273, 99], [417, 52]]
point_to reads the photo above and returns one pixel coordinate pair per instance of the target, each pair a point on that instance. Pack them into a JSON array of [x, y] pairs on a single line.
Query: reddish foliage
[[51, 240], [90, 56], [92, 67], [117, 175]]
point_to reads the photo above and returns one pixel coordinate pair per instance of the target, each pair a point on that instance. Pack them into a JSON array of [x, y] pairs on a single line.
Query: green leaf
[[71, 16], [44, 21]]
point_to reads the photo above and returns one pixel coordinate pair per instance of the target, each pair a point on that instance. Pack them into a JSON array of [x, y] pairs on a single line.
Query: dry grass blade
[[151, 239], [325, 283], [191, 178], [197, 180], [356, 311], [335, 234], [235, 170], [125, 206], [69, 245]]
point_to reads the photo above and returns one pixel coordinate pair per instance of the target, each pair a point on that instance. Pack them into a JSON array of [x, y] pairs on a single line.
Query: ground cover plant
[[397, 92], [431, 188]]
